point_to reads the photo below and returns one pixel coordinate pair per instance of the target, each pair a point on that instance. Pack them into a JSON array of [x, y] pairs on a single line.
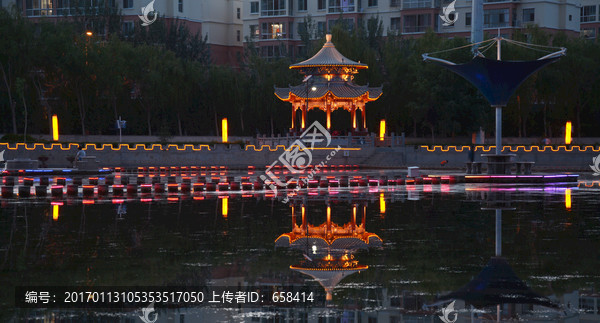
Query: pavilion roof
[[346, 242], [328, 56], [340, 90]]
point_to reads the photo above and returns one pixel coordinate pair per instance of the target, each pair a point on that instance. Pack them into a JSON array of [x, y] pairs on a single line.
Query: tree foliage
[[161, 80]]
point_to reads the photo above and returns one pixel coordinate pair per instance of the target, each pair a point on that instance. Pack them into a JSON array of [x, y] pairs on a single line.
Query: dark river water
[[410, 247]]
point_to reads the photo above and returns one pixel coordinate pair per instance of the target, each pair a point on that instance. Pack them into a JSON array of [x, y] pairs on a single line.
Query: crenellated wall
[[236, 156]]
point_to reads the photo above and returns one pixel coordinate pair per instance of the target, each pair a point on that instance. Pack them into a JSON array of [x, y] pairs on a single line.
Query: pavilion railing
[[371, 140]]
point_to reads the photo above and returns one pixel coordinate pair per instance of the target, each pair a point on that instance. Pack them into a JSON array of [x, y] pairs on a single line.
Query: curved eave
[[358, 67], [354, 269], [366, 240], [291, 96]]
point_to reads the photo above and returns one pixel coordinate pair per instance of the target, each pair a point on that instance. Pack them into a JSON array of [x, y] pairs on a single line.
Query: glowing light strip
[[513, 149]]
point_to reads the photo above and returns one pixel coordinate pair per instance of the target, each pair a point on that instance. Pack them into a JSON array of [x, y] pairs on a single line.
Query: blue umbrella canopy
[[497, 80]]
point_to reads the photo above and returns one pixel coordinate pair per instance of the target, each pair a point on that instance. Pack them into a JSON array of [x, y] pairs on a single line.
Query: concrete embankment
[[235, 156]]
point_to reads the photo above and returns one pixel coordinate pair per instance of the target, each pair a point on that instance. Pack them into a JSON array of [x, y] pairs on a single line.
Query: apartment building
[[218, 20], [590, 19], [274, 25]]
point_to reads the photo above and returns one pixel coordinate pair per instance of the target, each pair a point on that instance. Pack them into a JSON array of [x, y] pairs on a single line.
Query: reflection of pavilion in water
[[329, 248]]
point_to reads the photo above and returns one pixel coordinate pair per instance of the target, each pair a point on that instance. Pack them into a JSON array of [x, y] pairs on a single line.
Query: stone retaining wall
[[236, 156]]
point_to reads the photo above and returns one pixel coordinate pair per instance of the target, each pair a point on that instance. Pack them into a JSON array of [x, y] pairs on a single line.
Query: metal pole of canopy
[[498, 232], [498, 108]]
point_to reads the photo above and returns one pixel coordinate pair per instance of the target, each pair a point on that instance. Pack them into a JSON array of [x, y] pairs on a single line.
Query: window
[[254, 7], [341, 6], [38, 7], [180, 5], [321, 28], [588, 13], [127, 28], [302, 29], [529, 15], [395, 3], [272, 30], [254, 32], [495, 18], [63, 8], [302, 6], [588, 33], [346, 23], [395, 24], [127, 4], [372, 3], [411, 4], [321, 4], [238, 13], [416, 23], [271, 51], [468, 19], [272, 7]]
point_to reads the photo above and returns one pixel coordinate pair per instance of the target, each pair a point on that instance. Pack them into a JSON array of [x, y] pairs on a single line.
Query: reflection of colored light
[[225, 204], [568, 129], [381, 129], [381, 203], [54, 127], [224, 130], [55, 212], [568, 199]]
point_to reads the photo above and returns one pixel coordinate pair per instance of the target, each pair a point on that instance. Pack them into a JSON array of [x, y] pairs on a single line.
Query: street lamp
[[89, 35]]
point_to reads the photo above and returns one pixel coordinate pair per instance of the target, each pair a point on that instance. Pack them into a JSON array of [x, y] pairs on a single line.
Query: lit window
[[254, 32], [38, 7], [588, 33], [273, 30]]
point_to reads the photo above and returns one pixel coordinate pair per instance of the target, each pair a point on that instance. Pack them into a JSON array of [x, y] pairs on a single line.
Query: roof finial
[[328, 38]]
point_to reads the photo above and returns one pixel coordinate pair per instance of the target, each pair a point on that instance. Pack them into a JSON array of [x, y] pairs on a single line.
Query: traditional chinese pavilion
[[328, 85], [328, 248]]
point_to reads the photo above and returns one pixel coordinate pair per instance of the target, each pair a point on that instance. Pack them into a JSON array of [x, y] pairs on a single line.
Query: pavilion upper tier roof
[[340, 90], [328, 56]]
